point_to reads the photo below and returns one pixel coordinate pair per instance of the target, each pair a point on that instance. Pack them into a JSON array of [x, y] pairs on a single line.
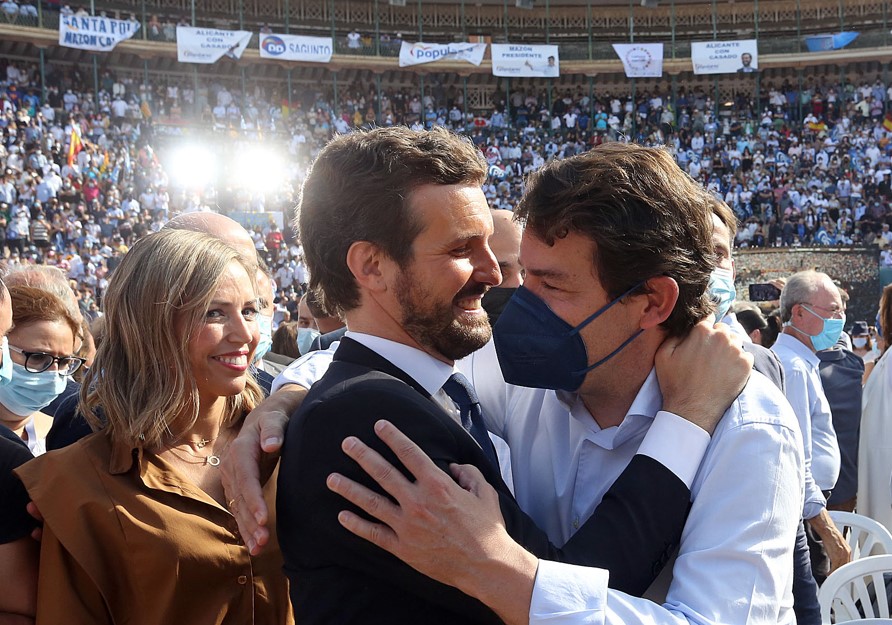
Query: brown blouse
[[126, 539]]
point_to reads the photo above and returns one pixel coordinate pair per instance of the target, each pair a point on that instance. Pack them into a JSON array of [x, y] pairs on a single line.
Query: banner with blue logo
[[641, 60], [417, 53], [514, 59], [209, 45], [296, 48], [837, 41], [99, 34]]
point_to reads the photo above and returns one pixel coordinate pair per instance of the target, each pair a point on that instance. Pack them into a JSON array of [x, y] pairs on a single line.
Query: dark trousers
[[805, 589]]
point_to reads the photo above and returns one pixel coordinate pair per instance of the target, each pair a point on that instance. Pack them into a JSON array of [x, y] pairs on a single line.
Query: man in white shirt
[[813, 314]]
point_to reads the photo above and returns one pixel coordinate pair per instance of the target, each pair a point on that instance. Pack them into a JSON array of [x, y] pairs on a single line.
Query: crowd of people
[[799, 168], [84, 184]]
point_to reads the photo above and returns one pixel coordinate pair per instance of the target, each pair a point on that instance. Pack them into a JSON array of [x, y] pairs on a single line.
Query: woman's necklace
[[211, 459]]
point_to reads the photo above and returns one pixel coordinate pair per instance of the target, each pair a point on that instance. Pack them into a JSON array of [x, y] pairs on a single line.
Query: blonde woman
[[136, 527]]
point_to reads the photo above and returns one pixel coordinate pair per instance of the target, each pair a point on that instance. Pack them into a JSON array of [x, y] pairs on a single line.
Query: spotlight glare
[[193, 166], [259, 170]]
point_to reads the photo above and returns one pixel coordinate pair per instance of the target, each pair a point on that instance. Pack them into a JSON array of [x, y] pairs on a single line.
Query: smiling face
[[221, 347], [439, 291]]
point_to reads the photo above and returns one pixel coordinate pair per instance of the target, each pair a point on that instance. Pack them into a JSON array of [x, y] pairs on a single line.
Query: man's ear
[[369, 265], [660, 302]]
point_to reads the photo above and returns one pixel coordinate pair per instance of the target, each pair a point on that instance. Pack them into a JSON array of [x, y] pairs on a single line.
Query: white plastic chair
[[869, 621], [865, 536], [856, 591]]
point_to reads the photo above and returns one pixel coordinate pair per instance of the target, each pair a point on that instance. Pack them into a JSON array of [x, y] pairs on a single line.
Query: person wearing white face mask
[[863, 344], [307, 331], [721, 288], [264, 317], [41, 348]]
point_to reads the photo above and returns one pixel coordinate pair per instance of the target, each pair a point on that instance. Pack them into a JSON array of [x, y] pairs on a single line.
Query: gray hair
[[800, 288]]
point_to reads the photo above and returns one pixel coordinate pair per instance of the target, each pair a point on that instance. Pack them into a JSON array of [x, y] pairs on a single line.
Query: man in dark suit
[[395, 228], [618, 251]]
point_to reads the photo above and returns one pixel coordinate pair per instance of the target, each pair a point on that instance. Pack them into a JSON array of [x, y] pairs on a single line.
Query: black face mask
[[494, 302]]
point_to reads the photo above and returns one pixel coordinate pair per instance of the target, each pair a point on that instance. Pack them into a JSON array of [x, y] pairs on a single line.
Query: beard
[[434, 325]]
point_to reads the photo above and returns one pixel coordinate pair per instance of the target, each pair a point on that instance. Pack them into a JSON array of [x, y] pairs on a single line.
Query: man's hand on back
[[253, 453]]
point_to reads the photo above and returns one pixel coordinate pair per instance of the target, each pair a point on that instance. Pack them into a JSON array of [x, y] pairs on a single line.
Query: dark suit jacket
[[765, 362], [324, 341], [339, 578]]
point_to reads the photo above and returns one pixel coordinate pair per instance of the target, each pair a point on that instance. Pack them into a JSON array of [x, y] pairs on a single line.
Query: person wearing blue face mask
[[264, 319], [41, 348], [18, 552], [813, 315]]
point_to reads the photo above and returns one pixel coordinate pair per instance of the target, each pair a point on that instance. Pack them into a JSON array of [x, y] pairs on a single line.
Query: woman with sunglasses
[[41, 345]]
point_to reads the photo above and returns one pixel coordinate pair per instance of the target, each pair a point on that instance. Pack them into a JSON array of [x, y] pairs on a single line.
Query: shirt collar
[[798, 347], [430, 373], [647, 402], [123, 457]]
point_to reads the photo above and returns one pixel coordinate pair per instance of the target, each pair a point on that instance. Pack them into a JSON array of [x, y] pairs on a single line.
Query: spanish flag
[[75, 145], [887, 122]]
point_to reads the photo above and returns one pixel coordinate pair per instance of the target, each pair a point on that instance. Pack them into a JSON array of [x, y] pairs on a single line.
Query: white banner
[[209, 45], [99, 34], [641, 60], [725, 57], [513, 59], [417, 53], [296, 48]]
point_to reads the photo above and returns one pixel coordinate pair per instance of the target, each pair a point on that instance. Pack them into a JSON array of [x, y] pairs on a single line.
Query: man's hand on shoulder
[[702, 374], [250, 460]]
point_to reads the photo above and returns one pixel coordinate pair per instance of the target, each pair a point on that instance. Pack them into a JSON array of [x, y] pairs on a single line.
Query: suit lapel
[[356, 353]]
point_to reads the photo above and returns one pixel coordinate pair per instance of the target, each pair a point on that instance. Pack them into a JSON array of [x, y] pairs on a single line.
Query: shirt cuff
[[565, 593], [677, 444]]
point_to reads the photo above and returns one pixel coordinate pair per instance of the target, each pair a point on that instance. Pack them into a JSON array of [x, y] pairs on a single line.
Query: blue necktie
[[459, 389]]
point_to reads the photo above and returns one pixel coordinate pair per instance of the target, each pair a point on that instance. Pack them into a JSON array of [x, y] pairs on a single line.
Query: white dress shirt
[[805, 393], [735, 559]]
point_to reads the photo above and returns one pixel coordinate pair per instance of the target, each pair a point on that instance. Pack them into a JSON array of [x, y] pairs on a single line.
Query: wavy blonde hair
[[141, 381]]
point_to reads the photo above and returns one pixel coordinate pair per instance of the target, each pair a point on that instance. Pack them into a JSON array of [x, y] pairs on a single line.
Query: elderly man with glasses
[[813, 315]]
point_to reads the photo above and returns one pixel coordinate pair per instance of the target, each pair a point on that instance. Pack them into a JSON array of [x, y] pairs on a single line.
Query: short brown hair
[[285, 340], [358, 189], [31, 304], [646, 217]]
